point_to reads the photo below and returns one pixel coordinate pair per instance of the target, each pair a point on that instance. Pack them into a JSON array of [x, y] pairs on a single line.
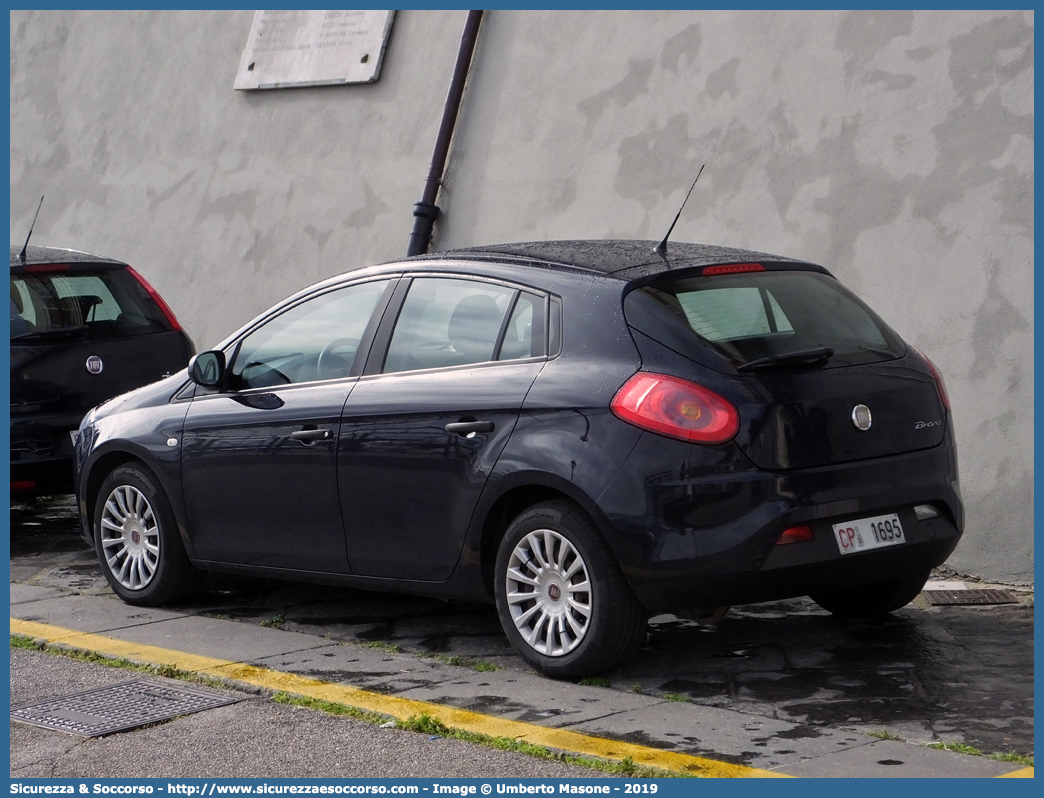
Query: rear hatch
[[82, 333], [797, 353]]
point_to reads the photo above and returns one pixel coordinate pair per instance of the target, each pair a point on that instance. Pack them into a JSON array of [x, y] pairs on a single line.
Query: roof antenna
[[662, 246], [21, 255]]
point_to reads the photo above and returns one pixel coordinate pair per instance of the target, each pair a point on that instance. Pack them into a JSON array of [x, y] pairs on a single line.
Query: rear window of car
[[755, 315], [107, 303]]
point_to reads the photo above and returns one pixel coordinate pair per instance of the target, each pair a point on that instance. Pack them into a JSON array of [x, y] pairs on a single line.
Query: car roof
[[622, 259], [35, 256]]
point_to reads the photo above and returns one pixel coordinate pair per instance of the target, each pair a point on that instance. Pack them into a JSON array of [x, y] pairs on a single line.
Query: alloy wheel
[[549, 593], [130, 537]]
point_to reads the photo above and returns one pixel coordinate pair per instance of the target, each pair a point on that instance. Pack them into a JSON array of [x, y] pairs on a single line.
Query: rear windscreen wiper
[[878, 351], [59, 332], [803, 357]]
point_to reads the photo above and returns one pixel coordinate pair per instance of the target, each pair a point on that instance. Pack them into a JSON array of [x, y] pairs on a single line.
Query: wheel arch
[[108, 460], [514, 499]]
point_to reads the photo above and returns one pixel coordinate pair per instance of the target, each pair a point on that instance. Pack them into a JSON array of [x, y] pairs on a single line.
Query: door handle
[[311, 435], [470, 427]]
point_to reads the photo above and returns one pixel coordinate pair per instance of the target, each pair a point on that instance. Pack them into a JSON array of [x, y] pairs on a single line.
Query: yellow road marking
[[1025, 773], [401, 708]]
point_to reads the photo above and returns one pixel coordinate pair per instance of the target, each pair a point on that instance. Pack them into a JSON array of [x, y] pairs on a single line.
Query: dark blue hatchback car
[[83, 329], [584, 432]]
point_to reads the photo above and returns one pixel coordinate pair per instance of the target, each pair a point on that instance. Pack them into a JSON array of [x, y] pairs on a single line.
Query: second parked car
[[83, 329], [583, 432]]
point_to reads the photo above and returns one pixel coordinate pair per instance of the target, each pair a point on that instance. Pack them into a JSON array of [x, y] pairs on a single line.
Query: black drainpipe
[[426, 211]]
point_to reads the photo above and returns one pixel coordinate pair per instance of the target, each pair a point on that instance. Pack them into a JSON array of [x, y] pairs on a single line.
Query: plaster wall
[[893, 147]]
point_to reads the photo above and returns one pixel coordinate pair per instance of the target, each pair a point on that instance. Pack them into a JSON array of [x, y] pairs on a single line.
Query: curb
[[392, 706]]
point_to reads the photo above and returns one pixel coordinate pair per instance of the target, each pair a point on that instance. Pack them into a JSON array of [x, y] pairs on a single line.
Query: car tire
[[550, 550], [137, 540], [869, 601]]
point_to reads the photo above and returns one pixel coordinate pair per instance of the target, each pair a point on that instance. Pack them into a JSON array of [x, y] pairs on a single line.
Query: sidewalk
[[651, 730]]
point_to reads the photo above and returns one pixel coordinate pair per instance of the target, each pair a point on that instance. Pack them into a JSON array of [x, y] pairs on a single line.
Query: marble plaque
[[287, 49]]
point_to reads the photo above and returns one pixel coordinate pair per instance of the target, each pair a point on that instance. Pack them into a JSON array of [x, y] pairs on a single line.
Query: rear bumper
[[43, 436], [688, 538], [800, 569], [42, 477], [42, 453]]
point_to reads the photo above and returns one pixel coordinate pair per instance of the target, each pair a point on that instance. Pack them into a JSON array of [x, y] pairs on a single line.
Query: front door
[[259, 457]]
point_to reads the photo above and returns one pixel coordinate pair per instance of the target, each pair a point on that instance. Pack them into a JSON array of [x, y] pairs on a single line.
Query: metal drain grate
[[969, 597], [119, 707]]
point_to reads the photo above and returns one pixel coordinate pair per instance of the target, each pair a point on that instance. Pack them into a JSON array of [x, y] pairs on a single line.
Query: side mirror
[[207, 368]]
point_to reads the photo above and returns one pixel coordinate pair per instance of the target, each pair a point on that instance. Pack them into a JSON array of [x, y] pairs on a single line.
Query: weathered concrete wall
[[896, 148], [225, 200]]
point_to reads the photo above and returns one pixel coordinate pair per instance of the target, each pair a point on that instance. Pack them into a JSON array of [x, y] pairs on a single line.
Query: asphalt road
[[253, 738]]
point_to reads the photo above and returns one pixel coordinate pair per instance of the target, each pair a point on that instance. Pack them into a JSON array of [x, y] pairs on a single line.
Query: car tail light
[[733, 268], [40, 268], [23, 484], [676, 408], [796, 534], [943, 396], [156, 298]]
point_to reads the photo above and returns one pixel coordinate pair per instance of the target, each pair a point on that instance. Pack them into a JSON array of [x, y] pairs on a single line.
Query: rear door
[[424, 427]]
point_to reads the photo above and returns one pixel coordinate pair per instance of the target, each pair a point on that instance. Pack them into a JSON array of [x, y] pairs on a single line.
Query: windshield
[[787, 318], [107, 303]]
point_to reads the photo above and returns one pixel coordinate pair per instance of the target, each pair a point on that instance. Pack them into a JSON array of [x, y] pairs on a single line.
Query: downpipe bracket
[[424, 216]]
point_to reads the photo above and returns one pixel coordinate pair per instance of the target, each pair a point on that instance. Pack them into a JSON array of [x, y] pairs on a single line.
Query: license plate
[[864, 534]]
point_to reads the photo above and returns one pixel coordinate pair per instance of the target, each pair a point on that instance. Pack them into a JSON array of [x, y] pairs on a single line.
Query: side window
[[524, 336], [316, 340], [447, 322], [554, 332]]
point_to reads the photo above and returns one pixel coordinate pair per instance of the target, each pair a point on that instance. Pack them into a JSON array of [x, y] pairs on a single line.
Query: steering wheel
[[328, 361], [259, 374]]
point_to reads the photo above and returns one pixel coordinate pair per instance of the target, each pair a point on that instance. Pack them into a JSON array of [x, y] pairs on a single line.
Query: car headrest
[[16, 298], [474, 325]]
